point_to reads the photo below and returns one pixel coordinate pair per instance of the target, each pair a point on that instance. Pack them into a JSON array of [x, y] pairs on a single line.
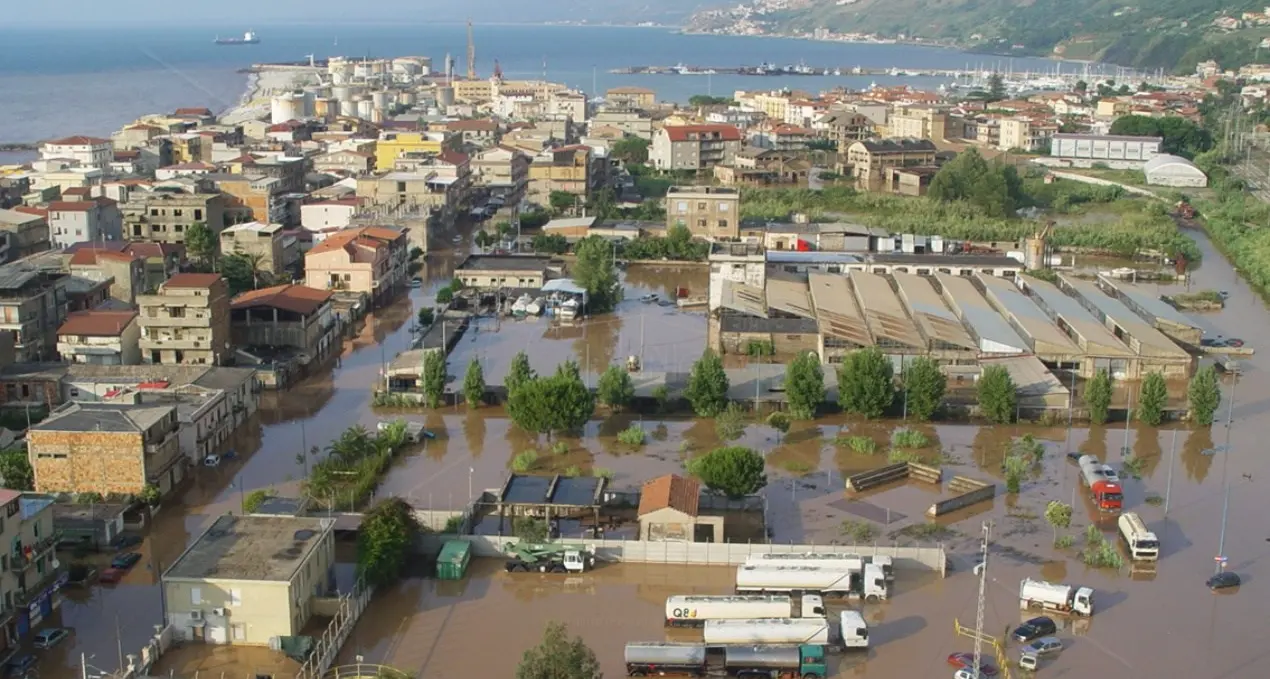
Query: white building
[[100, 338], [1115, 151], [328, 214], [82, 221], [1167, 170], [87, 151], [195, 169]]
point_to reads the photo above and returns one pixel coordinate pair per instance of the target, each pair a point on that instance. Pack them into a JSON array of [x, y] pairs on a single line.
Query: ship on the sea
[[249, 38]]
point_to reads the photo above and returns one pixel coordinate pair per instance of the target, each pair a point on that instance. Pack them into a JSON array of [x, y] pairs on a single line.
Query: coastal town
[[397, 357]]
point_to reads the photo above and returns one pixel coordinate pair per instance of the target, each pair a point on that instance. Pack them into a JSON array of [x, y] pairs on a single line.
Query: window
[[235, 597], [178, 213], [701, 206], [724, 207], [196, 595], [176, 312], [154, 212], [723, 223], [701, 222]]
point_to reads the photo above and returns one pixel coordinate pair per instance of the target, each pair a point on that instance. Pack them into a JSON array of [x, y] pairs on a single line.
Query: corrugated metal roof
[[742, 298], [836, 309], [1150, 303], [1150, 341], [994, 332], [1031, 377], [883, 310], [1029, 317], [1096, 336], [933, 317], [790, 296]]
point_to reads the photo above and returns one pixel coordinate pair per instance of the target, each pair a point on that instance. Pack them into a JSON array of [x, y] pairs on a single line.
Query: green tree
[[474, 384], [483, 239], [1059, 516], [530, 529], [559, 657], [150, 495], [434, 377], [1181, 136], [997, 394], [630, 150], [550, 243], [699, 100], [15, 470], [993, 187], [201, 243], [561, 201], [1098, 397], [445, 295], [615, 388], [996, 87], [243, 273], [596, 273], [735, 471], [866, 383], [1204, 395], [805, 385], [925, 384], [385, 541], [707, 385], [426, 315], [1153, 399], [255, 499], [550, 405], [519, 372]]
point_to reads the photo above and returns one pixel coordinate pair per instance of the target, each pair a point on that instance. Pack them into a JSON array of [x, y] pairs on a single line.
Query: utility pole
[[983, 581], [471, 53]]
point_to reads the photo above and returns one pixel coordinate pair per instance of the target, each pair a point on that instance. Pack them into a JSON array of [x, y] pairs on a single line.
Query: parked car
[[124, 562], [1034, 629], [1223, 580], [966, 661], [125, 540], [1044, 646], [48, 638], [19, 665], [111, 575]]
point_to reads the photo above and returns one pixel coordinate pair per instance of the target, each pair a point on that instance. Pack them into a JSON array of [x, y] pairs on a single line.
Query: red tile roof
[[295, 298], [670, 491], [373, 237], [78, 205], [35, 211], [192, 112], [142, 249], [453, 157], [724, 132], [78, 191], [97, 323], [90, 256], [192, 280], [472, 126], [78, 140]]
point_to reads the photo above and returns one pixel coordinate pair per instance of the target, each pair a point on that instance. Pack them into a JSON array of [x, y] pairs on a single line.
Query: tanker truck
[[868, 583], [1058, 598], [693, 611], [823, 559], [700, 660], [850, 631], [1103, 483]]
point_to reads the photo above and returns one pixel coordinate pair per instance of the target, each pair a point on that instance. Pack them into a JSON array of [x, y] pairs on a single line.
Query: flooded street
[[1161, 624]]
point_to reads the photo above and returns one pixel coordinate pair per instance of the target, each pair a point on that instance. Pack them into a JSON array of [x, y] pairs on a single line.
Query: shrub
[[602, 473], [898, 455], [524, 461], [632, 435], [453, 525], [255, 499], [1063, 542], [735, 471], [909, 438], [859, 531], [729, 424], [559, 448], [864, 445]]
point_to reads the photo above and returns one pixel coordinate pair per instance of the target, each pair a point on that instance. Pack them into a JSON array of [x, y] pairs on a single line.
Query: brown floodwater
[[436, 629]]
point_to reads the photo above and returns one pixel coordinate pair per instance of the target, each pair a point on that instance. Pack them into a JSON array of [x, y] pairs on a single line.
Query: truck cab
[[812, 661], [1083, 602], [855, 631], [811, 606], [873, 583]]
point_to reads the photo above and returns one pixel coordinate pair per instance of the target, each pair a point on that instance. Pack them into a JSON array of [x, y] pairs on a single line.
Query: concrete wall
[[255, 610]]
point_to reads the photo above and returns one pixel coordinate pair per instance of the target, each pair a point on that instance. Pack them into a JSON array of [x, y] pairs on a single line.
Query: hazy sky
[[233, 13]]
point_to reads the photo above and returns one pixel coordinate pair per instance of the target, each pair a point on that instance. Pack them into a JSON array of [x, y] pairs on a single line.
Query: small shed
[[453, 560], [669, 511], [94, 526]]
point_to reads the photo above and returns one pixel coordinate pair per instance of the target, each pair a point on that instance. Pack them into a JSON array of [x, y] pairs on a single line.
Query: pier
[[805, 70]]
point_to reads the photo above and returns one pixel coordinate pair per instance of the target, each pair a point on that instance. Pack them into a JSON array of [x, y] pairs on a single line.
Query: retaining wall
[[703, 553], [970, 491], [893, 472]]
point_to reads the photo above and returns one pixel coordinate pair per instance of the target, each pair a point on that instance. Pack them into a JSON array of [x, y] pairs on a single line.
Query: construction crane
[[471, 53]]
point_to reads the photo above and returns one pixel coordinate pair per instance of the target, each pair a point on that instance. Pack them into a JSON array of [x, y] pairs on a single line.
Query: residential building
[[482, 133], [631, 97], [781, 137], [101, 337], [249, 580], [918, 123], [1116, 151], [492, 272], [568, 104], [90, 152], [694, 147], [502, 170], [369, 259], [32, 307], [328, 214], [565, 168], [259, 243], [393, 145], [31, 576], [288, 170], [164, 216], [26, 232], [868, 161], [844, 126], [709, 212], [345, 162], [124, 271], [1021, 133], [106, 448], [79, 221], [160, 261], [203, 414], [192, 169], [186, 321], [632, 122], [292, 316], [251, 197]]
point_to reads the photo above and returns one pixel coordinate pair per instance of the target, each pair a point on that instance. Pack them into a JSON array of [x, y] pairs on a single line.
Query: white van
[[855, 631], [1142, 544]]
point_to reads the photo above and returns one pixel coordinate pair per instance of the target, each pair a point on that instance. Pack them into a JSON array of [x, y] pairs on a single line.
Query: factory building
[[1160, 314], [1154, 352]]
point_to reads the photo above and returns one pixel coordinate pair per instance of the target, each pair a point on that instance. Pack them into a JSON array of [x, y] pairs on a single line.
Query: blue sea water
[[91, 81]]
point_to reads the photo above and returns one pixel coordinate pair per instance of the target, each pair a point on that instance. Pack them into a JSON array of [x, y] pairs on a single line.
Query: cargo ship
[[249, 38]]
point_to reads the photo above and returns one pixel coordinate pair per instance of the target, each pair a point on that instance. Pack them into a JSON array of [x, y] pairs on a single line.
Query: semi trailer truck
[[549, 558], [699, 660], [821, 559], [694, 611], [868, 582], [816, 631], [1103, 483], [1054, 597]]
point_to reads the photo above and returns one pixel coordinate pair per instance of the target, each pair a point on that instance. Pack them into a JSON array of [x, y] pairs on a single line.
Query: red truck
[[1103, 483]]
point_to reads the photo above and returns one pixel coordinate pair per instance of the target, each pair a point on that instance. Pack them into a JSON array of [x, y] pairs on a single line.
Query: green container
[[453, 560]]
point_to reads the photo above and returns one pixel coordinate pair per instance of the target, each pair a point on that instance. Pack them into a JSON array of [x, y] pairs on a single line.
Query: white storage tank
[[407, 98], [381, 98], [365, 109], [286, 107], [768, 631], [361, 70], [445, 96], [693, 611]]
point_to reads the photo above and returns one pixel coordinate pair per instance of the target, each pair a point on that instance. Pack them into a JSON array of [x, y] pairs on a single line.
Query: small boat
[[521, 306], [569, 309], [534, 308], [649, 298], [416, 282]]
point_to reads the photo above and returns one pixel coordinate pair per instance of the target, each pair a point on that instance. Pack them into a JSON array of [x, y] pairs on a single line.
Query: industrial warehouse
[[961, 310]]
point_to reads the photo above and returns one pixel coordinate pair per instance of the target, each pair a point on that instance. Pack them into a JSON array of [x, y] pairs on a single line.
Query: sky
[[272, 12]]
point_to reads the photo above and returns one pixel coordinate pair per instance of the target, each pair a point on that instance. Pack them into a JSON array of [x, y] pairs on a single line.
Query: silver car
[[1044, 646]]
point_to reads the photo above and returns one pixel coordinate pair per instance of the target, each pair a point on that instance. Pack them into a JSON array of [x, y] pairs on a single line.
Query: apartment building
[[33, 305], [868, 162], [694, 147], [26, 232], [259, 243], [90, 152], [164, 216], [91, 220], [565, 168], [918, 122], [251, 197], [482, 133], [293, 316], [186, 321], [632, 122], [106, 448], [709, 212], [125, 271], [371, 259], [631, 97], [345, 162], [502, 170], [1021, 133], [393, 145], [100, 337], [248, 580], [842, 127], [30, 575]]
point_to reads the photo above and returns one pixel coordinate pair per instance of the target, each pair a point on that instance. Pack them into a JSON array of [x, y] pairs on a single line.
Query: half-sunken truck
[[1059, 598], [693, 611], [700, 660]]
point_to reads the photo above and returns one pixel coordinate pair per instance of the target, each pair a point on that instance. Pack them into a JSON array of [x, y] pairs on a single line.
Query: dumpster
[[453, 560]]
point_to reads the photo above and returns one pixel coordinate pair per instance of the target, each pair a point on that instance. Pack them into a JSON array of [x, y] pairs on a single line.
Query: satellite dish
[[56, 564]]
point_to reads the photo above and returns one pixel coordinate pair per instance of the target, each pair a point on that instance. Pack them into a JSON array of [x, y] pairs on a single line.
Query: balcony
[[51, 581], [155, 447], [20, 559], [174, 344]]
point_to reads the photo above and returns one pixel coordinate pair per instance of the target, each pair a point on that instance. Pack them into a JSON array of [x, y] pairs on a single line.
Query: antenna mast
[[471, 53], [983, 580]]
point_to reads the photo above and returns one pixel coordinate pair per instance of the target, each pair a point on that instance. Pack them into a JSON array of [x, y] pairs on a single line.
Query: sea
[[59, 82]]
